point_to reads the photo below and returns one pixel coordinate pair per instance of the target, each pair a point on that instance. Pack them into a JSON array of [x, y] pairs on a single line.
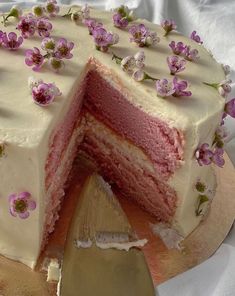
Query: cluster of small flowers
[[50, 8], [43, 93], [206, 155], [176, 64], [20, 204], [142, 36], [29, 24], [78, 15], [55, 53], [102, 38], [122, 16], [180, 48], [10, 41], [168, 26], [175, 88], [134, 65]]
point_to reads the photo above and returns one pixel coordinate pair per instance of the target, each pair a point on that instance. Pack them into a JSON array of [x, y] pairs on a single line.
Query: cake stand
[[17, 279]]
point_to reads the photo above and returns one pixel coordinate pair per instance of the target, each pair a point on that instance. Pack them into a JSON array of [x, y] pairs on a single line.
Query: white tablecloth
[[214, 20]]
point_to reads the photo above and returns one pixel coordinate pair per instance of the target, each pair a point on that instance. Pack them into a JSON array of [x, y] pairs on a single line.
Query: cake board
[[18, 279]]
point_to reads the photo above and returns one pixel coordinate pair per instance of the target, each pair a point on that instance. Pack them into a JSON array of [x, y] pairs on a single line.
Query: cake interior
[[136, 152]]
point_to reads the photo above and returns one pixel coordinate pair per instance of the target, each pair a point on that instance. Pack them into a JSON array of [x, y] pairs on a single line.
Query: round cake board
[[18, 279]]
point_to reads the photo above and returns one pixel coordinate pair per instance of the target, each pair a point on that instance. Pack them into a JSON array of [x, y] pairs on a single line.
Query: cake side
[[29, 128]]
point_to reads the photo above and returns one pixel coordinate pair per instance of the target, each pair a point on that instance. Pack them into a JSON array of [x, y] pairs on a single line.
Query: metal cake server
[[88, 270]]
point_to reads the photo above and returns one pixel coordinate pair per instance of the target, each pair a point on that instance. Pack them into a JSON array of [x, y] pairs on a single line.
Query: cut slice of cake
[[143, 143]]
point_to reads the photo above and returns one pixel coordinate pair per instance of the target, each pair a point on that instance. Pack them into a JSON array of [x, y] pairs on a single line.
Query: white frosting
[[170, 237], [53, 272], [25, 127]]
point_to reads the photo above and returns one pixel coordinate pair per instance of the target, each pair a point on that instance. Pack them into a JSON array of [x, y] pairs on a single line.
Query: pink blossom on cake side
[[92, 24], [177, 48], [27, 26], [63, 49], [48, 44], [85, 10], [204, 155], [52, 8], [180, 88], [34, 58], [218, 157], [128, 64], [11, 41], [44, 27], [196, 37], [21, 204], [168, 26], [224, 87], [230, 108], [139, 59], [175, 64], [1, 36], [38, 10], [119, 21], [142, 36], [44, 93], [103, 39], [164, 88], [190, 54], [122, 16]]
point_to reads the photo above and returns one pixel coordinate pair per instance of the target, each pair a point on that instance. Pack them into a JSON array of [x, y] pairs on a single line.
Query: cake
[[153, 146]]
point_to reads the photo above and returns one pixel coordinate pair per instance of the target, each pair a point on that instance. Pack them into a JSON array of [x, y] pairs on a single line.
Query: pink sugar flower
[[27, 26], [190, 54], [21, 204], [164, 88], [180, 88], [142, 36], [104, 39], [52, 8], [48, 44], [196, 37], [204, 155], [168, 26], [63, 49], [11, 41], [175, 64], [44, 27], [138, 75], [224, 87], [177, 48], [85, 10], [218, 157], [1, 36], [128, 64], [92, 24], [139, 59], [230, 108], [119, 21], [45, 93], [34, 58]]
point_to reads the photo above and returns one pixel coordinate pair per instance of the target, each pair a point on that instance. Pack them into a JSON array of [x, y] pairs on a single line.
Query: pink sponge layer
[[135, 182], [163, 145]]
